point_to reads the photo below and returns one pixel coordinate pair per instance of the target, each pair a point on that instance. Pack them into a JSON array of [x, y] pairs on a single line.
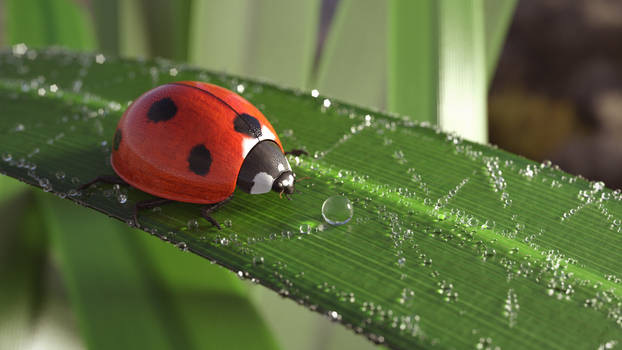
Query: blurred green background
[[554, 95]]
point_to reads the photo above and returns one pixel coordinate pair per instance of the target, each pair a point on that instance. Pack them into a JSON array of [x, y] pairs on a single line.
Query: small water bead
[[121, 198], [337, 210], [19, 49], [240, 88], [193, 224], [100, 59], [326, 103], [227, 223], [315, 93], [305, 229]]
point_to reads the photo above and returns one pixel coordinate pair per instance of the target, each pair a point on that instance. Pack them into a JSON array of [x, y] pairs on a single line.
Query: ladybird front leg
[[297, 152], [107, 179], [206, 211], [148, 204]]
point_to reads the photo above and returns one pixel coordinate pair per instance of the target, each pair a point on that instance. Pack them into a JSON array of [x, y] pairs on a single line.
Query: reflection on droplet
[[337, 210]]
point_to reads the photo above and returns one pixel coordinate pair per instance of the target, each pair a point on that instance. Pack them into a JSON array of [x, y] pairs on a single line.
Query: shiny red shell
[[154, 156]]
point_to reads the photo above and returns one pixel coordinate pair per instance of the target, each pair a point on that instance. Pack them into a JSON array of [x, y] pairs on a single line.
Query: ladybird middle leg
[[148, 204], [206, 211]]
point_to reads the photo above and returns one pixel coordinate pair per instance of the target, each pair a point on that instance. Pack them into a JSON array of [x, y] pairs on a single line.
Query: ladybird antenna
[[302, 178]]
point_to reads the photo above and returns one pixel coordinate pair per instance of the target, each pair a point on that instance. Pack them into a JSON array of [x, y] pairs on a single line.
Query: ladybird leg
[[297, 152], [107, 179], [148, 204], [206, 211]]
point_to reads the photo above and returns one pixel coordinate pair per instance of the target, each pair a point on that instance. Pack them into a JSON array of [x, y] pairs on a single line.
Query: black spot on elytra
[[117, 139], [199, 160], [162, 110], [247, 124]]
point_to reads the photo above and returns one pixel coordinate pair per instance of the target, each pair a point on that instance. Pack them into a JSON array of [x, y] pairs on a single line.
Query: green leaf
[[168, 25], [437, 64], [248, 46], [42, 22], [106, 22], [452, 243], [353, 62], [22, 261], [130, 291], [497, 19]]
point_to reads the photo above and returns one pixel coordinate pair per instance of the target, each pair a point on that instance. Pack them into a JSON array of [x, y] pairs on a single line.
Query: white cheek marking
[[288, 181], [262, 183], [280, 167], [266, 134], [247, 144]]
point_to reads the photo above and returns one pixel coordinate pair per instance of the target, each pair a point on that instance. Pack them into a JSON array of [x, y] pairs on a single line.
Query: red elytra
[[179, 141]]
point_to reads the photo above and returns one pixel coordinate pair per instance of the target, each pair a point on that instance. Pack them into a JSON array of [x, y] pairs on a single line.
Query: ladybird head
[[284, 183]]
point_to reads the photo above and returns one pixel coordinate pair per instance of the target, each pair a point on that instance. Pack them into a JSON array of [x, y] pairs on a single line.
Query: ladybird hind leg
[[148, 204], [107, 179], [206, 211]]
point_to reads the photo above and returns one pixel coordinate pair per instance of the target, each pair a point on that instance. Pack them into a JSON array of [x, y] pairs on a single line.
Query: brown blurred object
[[557, 92]]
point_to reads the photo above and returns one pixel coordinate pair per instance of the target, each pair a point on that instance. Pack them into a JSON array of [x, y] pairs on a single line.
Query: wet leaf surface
[[451, 244]]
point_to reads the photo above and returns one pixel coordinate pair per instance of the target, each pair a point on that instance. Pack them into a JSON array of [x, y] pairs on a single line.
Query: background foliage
[[192, 35]]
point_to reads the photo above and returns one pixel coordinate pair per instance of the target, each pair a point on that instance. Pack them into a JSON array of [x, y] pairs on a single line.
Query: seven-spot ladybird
[[194, 142]]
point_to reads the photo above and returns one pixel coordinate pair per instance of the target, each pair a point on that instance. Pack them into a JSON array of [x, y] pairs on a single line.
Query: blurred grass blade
[[413, 59], [462, 72], [22, 259], [497, 19], [452, 244], [132, 292], [133, 29], [352, 66], [437, 59], [105, 14], [250, 45], [42, 22], [168, 25]]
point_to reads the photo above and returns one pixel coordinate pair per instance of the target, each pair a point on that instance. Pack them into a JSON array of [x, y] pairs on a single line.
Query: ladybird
[[195, 142]]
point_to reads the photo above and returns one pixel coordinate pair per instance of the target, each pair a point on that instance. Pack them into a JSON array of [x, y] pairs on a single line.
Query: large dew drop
[[337, 210]]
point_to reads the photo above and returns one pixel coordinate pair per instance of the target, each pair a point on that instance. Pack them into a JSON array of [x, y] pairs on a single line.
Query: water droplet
[[19, 49], [193, 224], [305, 229], [100, 59], [337, 210], [173, 72], [121, 198], [182, 246], [240, 88], [598, 186], [228, 223], [326, 103], [315, 93]]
